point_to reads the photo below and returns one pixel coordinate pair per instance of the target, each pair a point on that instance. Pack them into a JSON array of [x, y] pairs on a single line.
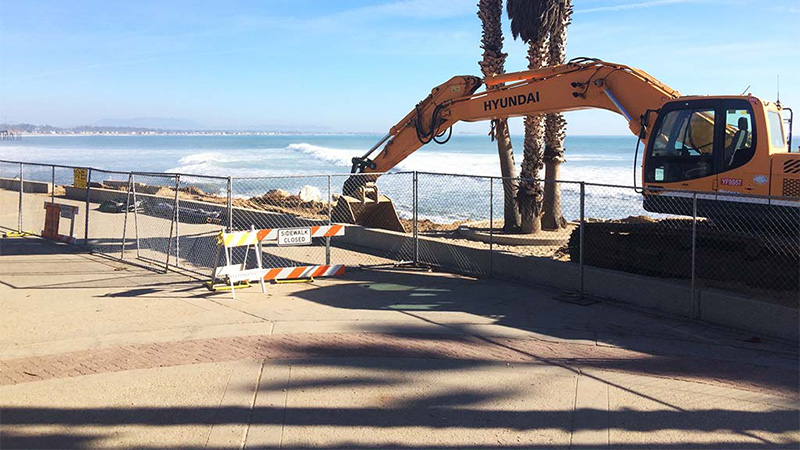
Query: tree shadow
[[672, 347], [447, 412]]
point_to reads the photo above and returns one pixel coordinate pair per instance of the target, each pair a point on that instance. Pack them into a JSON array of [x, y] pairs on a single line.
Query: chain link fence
[[202, 212], [374, 245], [750, 245], [10, 196], [453, 213], [745, 244]]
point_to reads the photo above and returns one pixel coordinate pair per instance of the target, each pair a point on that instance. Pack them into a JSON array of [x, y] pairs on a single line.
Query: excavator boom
[[580, 84]]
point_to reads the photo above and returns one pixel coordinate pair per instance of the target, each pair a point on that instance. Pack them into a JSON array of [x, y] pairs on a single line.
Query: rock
[[276, 194], [310, 194]]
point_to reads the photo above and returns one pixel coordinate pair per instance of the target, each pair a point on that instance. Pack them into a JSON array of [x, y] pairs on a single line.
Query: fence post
[[86, 222], [230, 204], [491, 226], [177, 221], [125, 223], [19, 204], [328, 239], [135, 216], [172, 223], [695, 307], [414, 226], [582, 227], [52, 184]]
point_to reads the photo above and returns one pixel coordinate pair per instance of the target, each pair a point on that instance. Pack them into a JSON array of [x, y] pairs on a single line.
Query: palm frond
[[532, 20]]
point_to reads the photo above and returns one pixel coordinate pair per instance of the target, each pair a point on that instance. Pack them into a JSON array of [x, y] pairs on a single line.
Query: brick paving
[[460, 347]]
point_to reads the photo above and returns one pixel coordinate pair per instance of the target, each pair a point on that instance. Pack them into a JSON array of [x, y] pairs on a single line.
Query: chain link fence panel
[[35, 193], [70, 189], [370, 243], [111, 213], [453, 215], [619, 234], [750, 245], [9, 196], [550, 240], [202, 214], [154, 213], [282, 202]]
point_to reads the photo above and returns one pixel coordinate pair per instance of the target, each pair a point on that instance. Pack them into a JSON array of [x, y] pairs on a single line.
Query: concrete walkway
[[95, 354]]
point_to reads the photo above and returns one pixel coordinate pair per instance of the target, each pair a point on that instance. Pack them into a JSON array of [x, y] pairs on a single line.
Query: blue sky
[[351, 65]]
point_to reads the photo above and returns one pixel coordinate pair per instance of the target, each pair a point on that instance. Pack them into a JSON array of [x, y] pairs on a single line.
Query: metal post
[[581, 229], [86, 222], [135, 216], [491, 226], [125, 223], [177, 221], [52, 184], [53, 201], [230, 204], [172, 223], [695, 313], [19, 204], [328, 239], [414, 226]]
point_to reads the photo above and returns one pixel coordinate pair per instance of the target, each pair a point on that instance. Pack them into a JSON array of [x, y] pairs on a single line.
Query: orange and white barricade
[[53, 213], [236, 274]]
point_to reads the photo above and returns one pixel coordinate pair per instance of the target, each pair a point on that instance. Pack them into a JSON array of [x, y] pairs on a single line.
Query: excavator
[[700, 152]]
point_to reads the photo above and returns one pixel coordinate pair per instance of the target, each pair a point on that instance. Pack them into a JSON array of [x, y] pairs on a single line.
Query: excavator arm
[[580, 84]]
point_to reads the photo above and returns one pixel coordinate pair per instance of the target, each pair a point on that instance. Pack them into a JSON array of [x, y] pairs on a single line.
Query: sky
[[353, 65]]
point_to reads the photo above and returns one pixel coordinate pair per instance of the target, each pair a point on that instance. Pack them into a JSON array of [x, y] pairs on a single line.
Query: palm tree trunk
[[556, 130], [490, 12], [529, 197], [508, 171]]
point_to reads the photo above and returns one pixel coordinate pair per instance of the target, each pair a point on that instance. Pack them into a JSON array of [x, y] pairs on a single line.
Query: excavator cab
[[712, 145]]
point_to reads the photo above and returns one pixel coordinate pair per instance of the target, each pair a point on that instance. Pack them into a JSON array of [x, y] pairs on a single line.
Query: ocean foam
[[336, 156]]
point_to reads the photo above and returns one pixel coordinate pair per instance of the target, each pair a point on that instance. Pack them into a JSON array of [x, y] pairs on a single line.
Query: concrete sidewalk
[[95, 353]]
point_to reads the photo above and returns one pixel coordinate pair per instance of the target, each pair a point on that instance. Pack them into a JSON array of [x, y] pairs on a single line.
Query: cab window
[[739, 140], [683, 146], [776, 137]]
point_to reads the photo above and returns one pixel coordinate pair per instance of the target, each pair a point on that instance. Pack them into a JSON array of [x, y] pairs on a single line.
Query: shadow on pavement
[[419, 416]]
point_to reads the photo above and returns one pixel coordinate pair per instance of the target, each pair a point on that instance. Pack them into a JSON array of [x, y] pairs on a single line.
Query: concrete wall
[[33, 187]]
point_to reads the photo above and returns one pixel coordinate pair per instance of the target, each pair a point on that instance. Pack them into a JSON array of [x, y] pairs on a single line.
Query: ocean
[[597, 159], [594, 159]]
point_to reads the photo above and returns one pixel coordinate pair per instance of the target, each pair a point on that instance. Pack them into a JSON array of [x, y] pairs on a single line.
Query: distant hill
[[48, 129], [151, 123]]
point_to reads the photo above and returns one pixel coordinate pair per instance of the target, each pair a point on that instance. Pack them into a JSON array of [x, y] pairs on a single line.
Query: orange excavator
[[714, 147]]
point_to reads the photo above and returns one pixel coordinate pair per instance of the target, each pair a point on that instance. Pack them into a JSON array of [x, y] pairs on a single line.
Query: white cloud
[[414, 9], [634, 5]]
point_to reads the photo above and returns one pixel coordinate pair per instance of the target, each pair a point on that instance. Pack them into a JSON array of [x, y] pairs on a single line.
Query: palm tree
[[490, 12], [555, 124], [532, 21], [528, 22]]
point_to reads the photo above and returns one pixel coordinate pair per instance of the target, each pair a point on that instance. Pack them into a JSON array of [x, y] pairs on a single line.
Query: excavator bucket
[[368, 209]]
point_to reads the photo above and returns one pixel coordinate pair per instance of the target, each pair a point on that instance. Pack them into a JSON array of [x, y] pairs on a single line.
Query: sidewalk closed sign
[[294, 236], [79, 178]]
